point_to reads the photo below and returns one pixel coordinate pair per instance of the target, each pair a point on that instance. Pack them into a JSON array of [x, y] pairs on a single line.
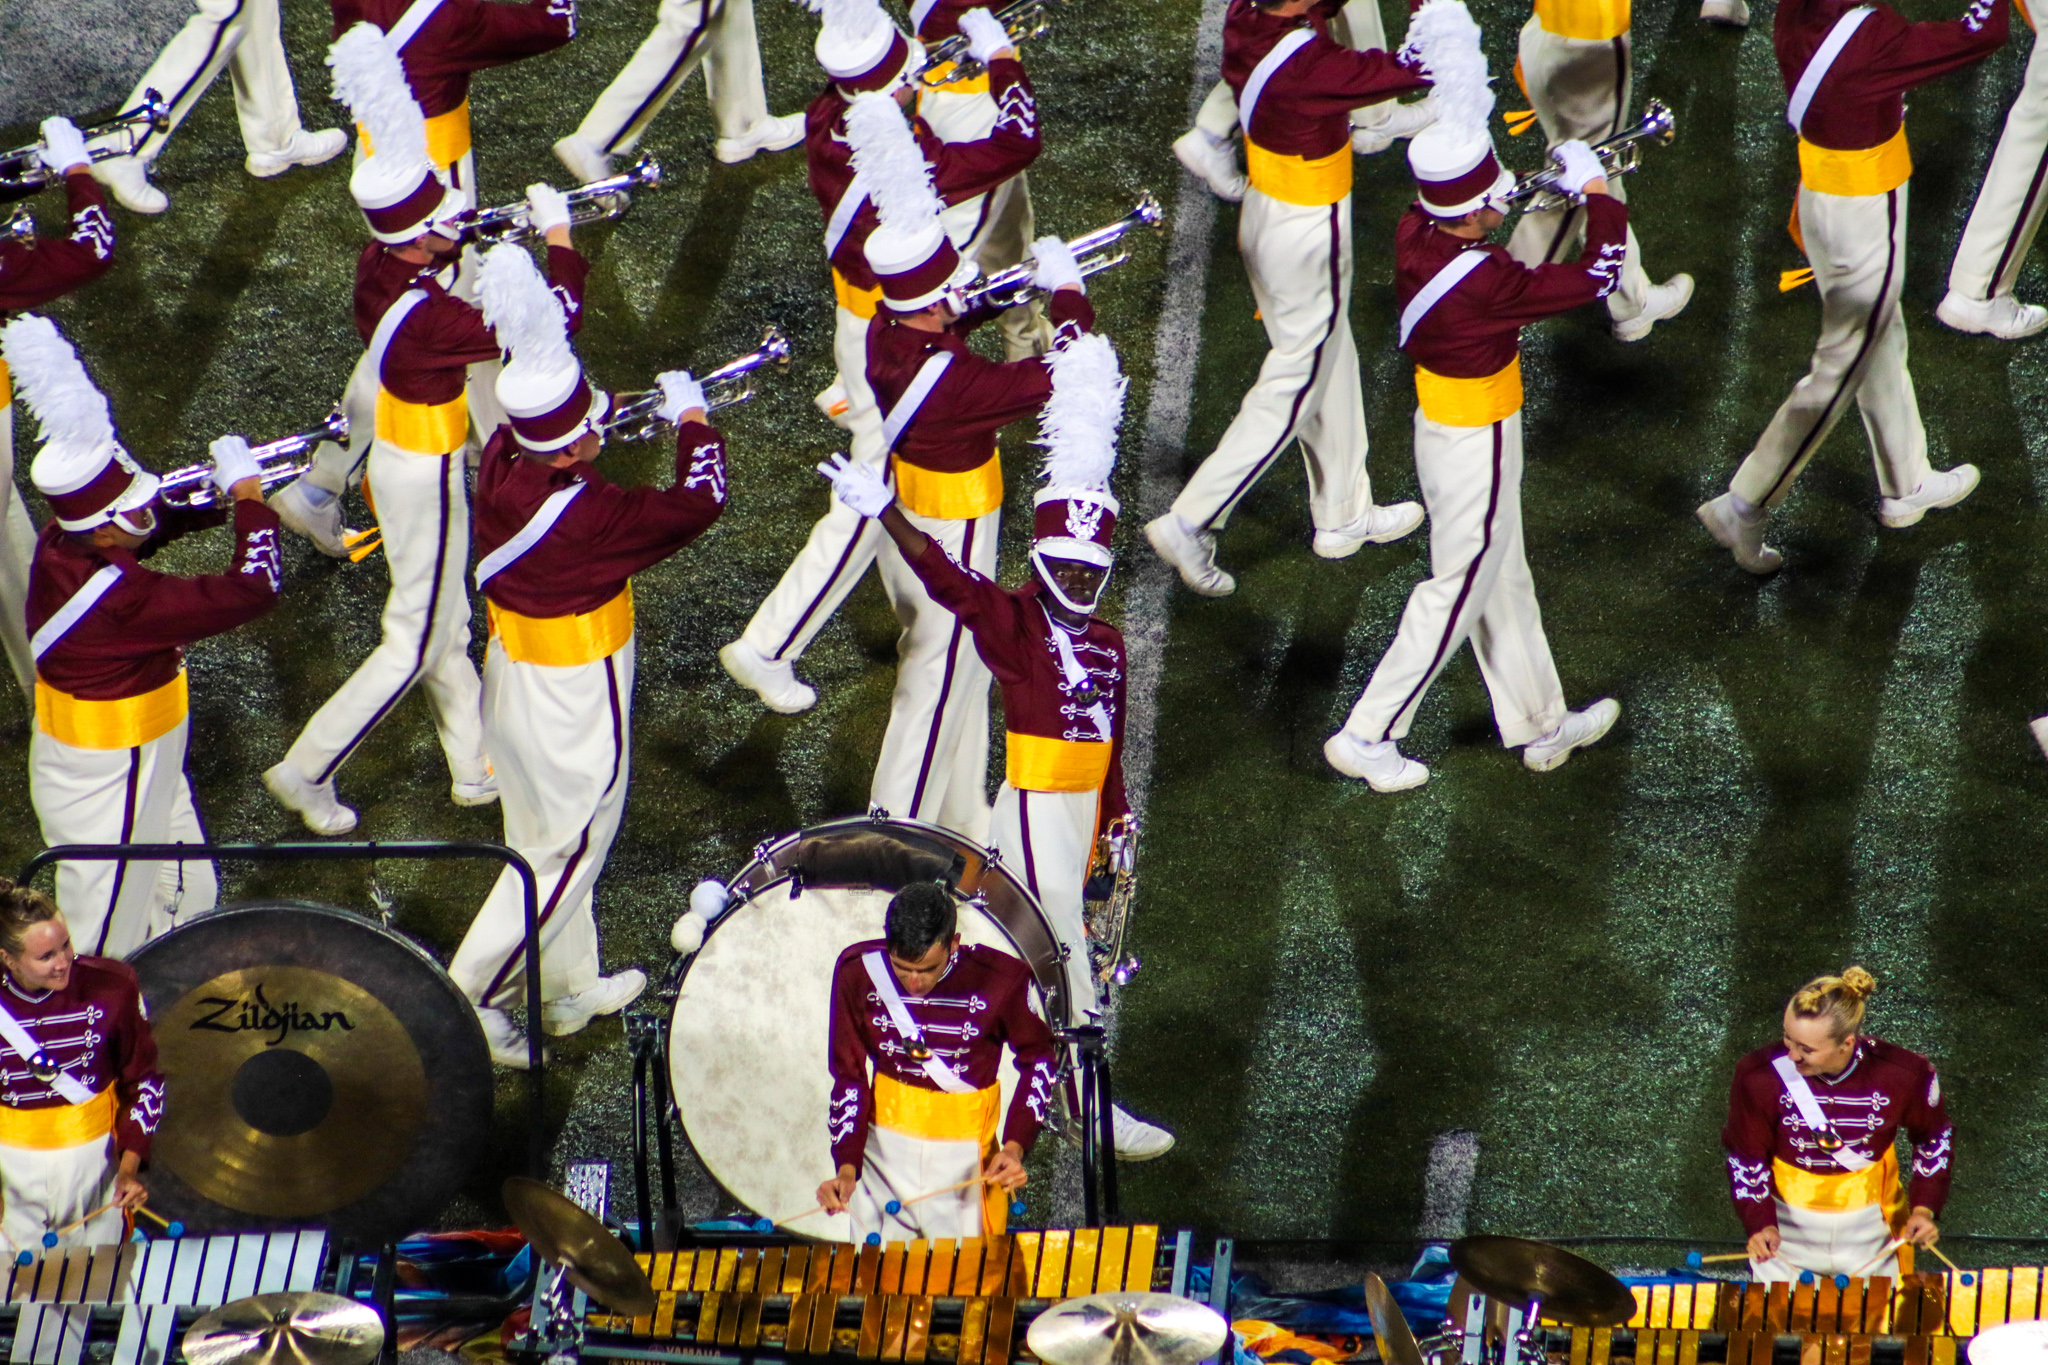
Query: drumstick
[[934, 1194], [1889, 1247], [1694, 1258], [1929, 1246], [77, 1223]]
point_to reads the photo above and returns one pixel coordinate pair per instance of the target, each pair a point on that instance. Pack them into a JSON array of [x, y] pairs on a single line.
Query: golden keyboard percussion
[[1127, 1329], [287, 1329], [563, 1234], [1567, 1288]]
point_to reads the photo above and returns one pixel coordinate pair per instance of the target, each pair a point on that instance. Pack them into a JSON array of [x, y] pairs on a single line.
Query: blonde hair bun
[[1838, 999]]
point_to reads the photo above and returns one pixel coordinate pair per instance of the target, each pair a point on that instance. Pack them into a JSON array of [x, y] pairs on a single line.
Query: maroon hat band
[[107, 485], [411, 211], [558, 421], [883, 73], [934, 273], [1464, 188], [1049, 521]]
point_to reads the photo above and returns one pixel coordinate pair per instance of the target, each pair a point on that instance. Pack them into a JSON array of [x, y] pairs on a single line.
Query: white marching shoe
[[1376, 527], [1398, 121], [1211, 163], [1578, 729], [2002, 316], [1733, 13], [1666, 300], [1381, 766], [128, 179], [302, 148], [585, 161], [1742, 538], [1942, 488], [1137, 1140], [2039, 726], [1191, 552], [321, 525], [314, 801], [769, 135], [482, 793], [560, 1018], [774, 681], [507, 1042]]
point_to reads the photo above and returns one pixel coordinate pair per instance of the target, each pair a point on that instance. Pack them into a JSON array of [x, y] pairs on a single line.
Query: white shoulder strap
[[411, 22], [1809, 1112], [1823, 58], [1263, 72], [387, 329], [843, 213], [72, 612], [943, 1076], [1077, 676], [23, 1045], [538, 525], [920, 11], [913, 398], [1443, 282]]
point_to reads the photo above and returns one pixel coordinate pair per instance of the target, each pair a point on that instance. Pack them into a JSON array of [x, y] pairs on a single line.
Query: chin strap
[[1052, 585]]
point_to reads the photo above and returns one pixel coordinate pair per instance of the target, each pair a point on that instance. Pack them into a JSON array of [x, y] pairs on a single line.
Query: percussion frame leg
[[647, 1036], [383, 1297], [1100, 1205]]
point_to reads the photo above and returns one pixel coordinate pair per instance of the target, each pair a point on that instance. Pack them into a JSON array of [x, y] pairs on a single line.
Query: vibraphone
[[969, 1304]]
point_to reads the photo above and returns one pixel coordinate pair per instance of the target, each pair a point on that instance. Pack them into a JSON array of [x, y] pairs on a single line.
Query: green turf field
[[1827, 766]]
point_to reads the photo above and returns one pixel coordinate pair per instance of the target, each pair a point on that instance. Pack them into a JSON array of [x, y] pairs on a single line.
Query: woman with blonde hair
[[1812, 1120]]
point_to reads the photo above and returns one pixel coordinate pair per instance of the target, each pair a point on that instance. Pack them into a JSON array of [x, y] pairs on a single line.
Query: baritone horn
[[1117, 857], [22, 172], [1620, 154], [593, 203], [949, 62], [635, 416], [1012, 285], [192, 485]]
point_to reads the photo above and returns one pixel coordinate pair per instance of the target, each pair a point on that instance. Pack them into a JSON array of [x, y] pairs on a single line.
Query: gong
[[319, 1069]]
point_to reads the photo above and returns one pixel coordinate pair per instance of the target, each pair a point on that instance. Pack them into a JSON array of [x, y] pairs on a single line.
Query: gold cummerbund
[[1877, 1183], [424, 428], [565, 641], [1872, 170], [1297, 179], [122, 723], [6, 388], [855, 300], [60, 1125], [1039, 763], [936, 1115], [1470, 402], [935, 83], [1592, 20], [447, 137], [950, 497]]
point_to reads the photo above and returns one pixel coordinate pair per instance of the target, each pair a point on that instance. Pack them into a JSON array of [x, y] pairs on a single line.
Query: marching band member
[[1812, 1120], [107, 756], [927, 1118], [1847, 68], [872, 64], [717, 34], [421, 340], [1295, 90], [246, 39], [1463, 306], [80, 1091], [1061, 667], [558, 546], [32, 275], [2007, 214]]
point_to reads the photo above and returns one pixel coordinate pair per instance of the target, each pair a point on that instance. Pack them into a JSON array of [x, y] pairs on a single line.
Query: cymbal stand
[[1517, 1343], [1099, 1203], [561, 1335], [647, 1039]]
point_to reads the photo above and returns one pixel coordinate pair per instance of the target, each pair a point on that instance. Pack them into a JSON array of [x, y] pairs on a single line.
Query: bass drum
[[747, 1049]]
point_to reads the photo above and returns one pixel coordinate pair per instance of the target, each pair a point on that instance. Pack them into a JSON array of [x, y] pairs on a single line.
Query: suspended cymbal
[[1127, 1329], [287, 1329], [598, 1263], [1389, 1327], [1571, 1289]]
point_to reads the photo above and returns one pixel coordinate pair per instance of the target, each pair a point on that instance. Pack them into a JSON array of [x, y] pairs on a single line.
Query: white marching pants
[[717, 34], [2001, 229], [1857, 247], [244, 36], [900, 1167], [994, 230], [1299, 260], [46, 1188], [563, 739], [843, 543], [1047, 840], [423, 511], [120, 796], [1828, 1244], [1357, 26], [1479, 588], [1580, 88], [17, 548], [934, 761]]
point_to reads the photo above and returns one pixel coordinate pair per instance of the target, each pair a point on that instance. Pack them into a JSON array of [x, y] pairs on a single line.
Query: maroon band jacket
[[1861, 101], [442, 337], [31, 276], [94, 1029], [1305, 108], [463, 36]]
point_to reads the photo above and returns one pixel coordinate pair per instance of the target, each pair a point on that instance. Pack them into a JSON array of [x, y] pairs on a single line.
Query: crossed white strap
[[1810, 1114], [1823, 58], [23, 1045], [74, 609], [411, 22], [943, 1076], [538, 525], [843, 212], [921, 387], [1077, 676], [1449, 277], [1263, 72]]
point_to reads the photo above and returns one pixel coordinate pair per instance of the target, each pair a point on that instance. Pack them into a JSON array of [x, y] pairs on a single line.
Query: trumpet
[[1012, 285], [1024, 20], [192, 484], [635, 416], [1620, 154], [22, 172], [593, 203]]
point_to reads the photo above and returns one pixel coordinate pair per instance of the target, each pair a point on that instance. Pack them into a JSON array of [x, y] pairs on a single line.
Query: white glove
[[547, 208], [63, 146], [707, 902], [985, 35], [1579, 163], [1053, 264], [680, 392], [858, 486], [233, 462]]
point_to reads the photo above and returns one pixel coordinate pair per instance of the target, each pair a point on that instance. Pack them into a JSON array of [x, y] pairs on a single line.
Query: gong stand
[[647, 1040]]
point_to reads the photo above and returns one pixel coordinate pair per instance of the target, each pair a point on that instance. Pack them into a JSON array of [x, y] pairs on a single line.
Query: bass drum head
[[319, 1070]]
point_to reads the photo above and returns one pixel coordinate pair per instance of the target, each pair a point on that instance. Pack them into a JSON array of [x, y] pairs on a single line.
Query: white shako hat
[[913, 259], [1074, 514], [81, 469], [1453, 160], [861, 48], [541, 387], [396, 185]]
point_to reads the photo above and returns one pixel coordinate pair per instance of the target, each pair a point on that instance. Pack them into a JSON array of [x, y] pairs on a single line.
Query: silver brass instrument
[[1620, 154], [1024, 20], [593, 203], [22, 172], [192, 485], [1012, 285], [19, 228], [1106, 924], [634, 416]]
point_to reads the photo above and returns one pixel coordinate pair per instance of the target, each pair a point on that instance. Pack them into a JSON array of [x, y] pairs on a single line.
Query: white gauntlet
[[985, 35]]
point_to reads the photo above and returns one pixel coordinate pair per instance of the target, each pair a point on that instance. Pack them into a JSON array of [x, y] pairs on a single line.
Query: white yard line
[[1447, 1185]]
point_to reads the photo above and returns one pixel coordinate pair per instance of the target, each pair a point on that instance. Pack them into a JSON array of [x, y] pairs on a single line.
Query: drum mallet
[[172, 1228], [896, 1206], [1969, 1277], [1694, 1260], [1890, 1248], [50, 1238]]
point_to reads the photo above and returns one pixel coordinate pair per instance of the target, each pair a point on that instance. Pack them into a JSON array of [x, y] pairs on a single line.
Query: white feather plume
[[51, 380], [1444, 38], [520, 308], [1078, 425], [889, 161], [849, 22], [370, 80]]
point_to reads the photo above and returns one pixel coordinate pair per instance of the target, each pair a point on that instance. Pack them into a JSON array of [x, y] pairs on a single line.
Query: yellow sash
[[447, 137], [565, 641], [935, 83], [63, 1125], [1039, 764], [1877, 1183], [6, 389], [1591, 20], [425, 428], [937, 1116], [1296, 179], [1872, 170], [950, 497], [120, 724], [1470, 402], [859, 302]]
